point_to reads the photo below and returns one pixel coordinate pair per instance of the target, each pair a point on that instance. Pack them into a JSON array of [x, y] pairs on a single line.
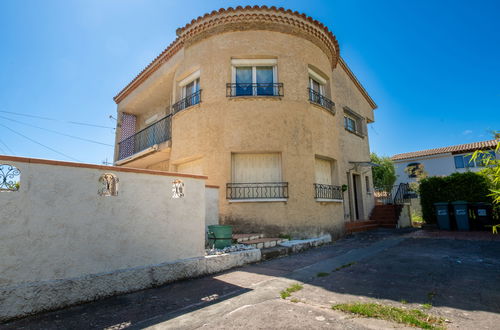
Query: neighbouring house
[[441, 161], [259, 100]]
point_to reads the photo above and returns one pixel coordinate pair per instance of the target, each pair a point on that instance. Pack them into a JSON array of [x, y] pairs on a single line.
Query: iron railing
[[265, 190], [398, 194], [327, 191], [186, 102], [321, 100], [153, 134], [403, 194], [259, 89]]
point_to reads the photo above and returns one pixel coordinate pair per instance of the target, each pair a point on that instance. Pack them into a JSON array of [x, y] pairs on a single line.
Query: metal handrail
[[186, 102], [250, 89], [254, 190], [321, 100], [327, 191], [147, 137]]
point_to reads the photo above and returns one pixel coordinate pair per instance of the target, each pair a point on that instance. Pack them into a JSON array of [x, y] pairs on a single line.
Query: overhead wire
[[7, 147], [41, 144], [56, 132], [55, 119]]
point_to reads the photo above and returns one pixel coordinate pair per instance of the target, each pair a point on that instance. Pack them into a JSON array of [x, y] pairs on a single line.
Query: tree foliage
[[492, 169], [384, 175]]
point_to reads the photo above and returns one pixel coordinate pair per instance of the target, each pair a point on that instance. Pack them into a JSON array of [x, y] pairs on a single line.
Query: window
[[354, 123], [256, 168], [317, 93], [257, 176], [323, 186], [350, 124], [464, 161], [482, 158], [190, 92], [323, 169], [367, 184], [254, 78]]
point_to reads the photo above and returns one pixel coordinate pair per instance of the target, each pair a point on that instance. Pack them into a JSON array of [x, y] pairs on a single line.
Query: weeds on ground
[[412, 317], [427, 306], [403, 301], [322, 274], [294, 300], [285, 236], [344, 266], [288, 291]]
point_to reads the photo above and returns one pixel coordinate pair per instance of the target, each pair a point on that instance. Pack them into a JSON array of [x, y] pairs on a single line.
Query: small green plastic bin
[[220, 236]]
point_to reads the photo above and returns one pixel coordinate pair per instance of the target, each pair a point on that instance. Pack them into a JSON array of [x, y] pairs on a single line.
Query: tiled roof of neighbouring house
[[468, 147]]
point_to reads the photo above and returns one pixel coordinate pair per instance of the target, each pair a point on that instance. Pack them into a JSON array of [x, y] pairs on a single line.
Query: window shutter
[[256, 168], [323, 170]]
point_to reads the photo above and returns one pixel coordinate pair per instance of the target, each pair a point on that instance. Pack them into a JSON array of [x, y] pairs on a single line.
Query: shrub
[[468, 186]]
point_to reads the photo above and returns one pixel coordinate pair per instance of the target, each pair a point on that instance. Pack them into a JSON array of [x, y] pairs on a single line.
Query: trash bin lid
[[441, 203], [459, 203]]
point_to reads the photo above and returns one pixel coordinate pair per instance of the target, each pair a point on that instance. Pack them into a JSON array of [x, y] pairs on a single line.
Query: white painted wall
[[212, 206], [57, 226], [436, 165]]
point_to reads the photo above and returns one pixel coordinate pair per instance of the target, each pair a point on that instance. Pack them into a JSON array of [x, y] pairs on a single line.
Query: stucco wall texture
[[290, 125], [57, 226]]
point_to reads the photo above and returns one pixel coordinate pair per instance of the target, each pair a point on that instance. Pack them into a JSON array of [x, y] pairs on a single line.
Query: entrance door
[[356, 184]]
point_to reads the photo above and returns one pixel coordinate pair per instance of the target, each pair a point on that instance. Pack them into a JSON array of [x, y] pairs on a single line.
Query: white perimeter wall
[[57, 226]]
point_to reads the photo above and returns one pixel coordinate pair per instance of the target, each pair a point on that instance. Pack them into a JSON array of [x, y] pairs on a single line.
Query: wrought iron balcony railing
[[327, 191], [188, 101], [321, 100], [259, 89], [153, 134], [266, 190]]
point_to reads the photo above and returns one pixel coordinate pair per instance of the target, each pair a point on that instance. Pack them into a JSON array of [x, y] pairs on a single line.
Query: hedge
[[468, 186]]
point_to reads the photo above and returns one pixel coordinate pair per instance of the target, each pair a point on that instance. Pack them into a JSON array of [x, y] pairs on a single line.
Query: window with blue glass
[[255, 81], [465, 161]]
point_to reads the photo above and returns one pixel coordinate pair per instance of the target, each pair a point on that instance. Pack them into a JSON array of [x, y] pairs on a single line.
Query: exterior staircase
[[258, 240], [386, 216]]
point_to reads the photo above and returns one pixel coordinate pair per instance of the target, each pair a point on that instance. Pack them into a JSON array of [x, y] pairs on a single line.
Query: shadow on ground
[[458, 274]]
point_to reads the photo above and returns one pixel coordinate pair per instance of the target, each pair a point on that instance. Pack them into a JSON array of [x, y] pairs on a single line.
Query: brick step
[[262, 243], [240, 238], [357, 226]]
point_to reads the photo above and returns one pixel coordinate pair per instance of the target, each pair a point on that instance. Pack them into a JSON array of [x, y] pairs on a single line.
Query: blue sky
[[433, 67]]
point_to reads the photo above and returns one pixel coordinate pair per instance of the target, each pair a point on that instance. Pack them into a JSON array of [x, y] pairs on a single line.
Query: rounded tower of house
[[259, 100]]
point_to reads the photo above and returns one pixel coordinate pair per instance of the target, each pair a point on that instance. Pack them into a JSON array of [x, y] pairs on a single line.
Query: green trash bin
[[220, 236], [461, 211], [483, 213], [443, 215]]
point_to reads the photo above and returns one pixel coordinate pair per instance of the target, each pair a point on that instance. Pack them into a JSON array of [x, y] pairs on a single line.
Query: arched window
[[108, 185], [10, 178], [177, 189]]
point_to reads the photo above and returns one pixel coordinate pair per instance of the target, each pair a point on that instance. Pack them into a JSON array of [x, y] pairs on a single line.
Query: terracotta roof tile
[[468, 147], [178, 43]]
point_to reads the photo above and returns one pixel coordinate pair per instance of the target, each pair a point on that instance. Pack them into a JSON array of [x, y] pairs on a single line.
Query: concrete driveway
[[457, 279]]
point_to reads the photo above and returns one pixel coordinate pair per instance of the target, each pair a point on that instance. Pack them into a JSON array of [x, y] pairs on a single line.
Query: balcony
[[267, 191], [258, 89], [328, 192], [322, 101], [186, 102], [153, 134]]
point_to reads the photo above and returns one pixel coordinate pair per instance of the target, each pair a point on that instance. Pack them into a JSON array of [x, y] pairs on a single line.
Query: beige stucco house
[[260, 101]]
